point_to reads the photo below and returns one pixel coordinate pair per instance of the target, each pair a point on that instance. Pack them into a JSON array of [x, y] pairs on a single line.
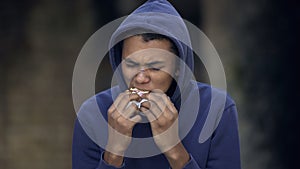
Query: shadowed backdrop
[[257, 41]]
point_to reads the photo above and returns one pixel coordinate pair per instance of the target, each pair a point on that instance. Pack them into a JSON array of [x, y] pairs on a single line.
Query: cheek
[[127, 74], [162, 81]]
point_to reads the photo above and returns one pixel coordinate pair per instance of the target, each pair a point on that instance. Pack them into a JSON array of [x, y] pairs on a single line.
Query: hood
[[155, 16]]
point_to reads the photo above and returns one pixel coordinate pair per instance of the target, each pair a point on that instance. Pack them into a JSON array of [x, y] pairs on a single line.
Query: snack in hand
[[138, 91]]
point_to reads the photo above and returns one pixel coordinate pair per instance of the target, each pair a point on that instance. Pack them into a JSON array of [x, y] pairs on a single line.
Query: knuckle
[[124, 124], [162, 121], [161, 98], [111, 108], [152, 96], [124, 93], [133, 106], [111, 115], [169, 116], [114, 115], [155, 125], [120, 120], [149, 96], [175, 112], [121, 95], [164, 96], [133, 96], [126, 99]]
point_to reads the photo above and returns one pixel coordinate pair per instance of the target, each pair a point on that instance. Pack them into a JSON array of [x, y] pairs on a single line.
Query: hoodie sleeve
[[192, 164], [85, 153]]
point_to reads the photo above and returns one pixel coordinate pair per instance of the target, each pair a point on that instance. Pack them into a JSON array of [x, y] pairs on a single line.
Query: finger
[[132, 115], [157, 99], [169, 104], [125, 100], [136, 119], [111, 109], [134, 96], [121, 95], [119, 98], [146, 104], [154, 109], [115, 115], [163, 101], [168, 114], [130, 111], [150, 116]]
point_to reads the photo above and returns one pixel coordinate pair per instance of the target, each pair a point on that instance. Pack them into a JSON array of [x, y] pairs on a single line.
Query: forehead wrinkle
[[145, 58]]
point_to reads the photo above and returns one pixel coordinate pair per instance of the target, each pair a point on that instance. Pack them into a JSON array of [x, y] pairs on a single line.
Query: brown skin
[[147, 66]]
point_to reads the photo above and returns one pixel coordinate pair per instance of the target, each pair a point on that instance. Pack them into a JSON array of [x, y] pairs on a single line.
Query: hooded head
[[158, 17]]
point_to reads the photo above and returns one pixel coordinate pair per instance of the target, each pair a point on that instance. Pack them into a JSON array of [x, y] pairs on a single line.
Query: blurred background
[[257, 40]]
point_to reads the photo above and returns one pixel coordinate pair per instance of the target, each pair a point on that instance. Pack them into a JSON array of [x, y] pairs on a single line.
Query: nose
[[142, 76]]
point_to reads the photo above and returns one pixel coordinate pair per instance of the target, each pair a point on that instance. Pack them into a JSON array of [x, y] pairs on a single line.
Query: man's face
[[148, 65]]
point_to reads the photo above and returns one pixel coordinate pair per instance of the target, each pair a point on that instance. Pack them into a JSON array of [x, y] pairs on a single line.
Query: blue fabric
[[219, 151]]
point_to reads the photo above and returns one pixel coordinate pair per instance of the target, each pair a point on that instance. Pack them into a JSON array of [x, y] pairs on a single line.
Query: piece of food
[[138, 91], [139, 102]]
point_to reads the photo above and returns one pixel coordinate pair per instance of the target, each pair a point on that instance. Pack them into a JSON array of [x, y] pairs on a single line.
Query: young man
[[151, 53]]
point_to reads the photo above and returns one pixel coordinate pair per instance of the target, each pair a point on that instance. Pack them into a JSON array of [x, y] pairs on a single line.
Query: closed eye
[[155, 68]]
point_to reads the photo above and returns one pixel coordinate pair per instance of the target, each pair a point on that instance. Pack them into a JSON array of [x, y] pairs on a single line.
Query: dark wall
[[258, 42]]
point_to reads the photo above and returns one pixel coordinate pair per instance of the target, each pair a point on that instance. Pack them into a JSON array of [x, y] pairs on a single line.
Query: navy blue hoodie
[[219, 146]]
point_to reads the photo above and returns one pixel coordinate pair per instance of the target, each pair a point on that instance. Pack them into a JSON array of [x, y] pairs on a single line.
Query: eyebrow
[[128, 60], [154, 63]]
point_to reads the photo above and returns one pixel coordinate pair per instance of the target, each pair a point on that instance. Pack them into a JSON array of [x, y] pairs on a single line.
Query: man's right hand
[[122, 117]]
